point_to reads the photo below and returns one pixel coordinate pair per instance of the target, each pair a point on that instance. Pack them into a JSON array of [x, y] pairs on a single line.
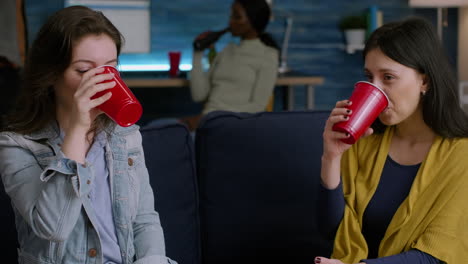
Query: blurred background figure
[[242, 76], [12, 51], [9, 85]]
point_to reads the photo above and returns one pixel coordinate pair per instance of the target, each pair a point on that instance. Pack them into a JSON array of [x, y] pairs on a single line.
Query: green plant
[[353, 22]]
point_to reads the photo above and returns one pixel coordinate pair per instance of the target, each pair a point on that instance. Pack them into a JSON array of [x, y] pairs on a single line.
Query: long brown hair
[[414, 43], [48, 58]]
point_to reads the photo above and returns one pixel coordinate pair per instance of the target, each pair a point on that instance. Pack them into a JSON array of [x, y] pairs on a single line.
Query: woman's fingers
[[89, 74], [369, 131], [337, 115], [333, 146], [333, 119], [100, 100], [98, 88], [84, 109], [322, 260], [94, 80], [339, 135], [343, 103], [85, 102], [340, 112]]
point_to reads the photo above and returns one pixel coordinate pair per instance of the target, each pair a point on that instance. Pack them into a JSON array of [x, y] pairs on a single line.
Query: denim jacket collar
[[52, 131]]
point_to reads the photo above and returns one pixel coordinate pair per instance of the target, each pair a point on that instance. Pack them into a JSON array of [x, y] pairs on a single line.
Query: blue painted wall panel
[[316, 47]]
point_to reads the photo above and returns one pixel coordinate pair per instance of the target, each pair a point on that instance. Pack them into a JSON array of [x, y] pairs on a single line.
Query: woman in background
[[242, 76], [78, 183], [398, 196]]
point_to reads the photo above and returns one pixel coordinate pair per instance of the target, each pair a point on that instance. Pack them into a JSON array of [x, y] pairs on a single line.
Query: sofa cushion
[[258, 180], [169, 152]]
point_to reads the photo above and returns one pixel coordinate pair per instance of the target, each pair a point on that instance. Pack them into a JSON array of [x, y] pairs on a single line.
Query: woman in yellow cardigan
[[400, 194]]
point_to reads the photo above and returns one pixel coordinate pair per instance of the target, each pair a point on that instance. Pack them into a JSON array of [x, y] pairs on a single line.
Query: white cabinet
[[131, 17]]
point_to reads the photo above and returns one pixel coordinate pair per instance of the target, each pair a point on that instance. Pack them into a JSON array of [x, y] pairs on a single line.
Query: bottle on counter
[[210, 38]]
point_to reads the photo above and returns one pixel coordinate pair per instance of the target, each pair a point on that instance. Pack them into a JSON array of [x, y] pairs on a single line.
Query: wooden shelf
[[182, 82], [289, 80]]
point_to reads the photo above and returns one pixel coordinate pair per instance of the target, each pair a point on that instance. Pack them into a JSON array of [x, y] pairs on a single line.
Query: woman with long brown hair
[[78, 183]]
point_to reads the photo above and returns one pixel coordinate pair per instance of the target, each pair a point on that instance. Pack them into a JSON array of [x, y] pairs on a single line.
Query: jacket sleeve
[[148, 233], [47, 198]]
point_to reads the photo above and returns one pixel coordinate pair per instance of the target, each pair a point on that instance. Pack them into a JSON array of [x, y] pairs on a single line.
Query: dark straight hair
[[49, 57], [414, 43], [259, 12]]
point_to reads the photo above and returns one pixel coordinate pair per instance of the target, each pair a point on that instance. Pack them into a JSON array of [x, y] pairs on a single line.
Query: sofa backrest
[[258, 181], [169, 157]]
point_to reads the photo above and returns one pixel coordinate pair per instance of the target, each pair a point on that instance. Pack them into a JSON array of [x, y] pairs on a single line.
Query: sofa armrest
[[169, 156]]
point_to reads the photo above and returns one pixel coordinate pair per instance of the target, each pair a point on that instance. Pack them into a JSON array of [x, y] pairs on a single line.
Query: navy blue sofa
[[252, 196], [169, 155], [258, 181], [244, 193]]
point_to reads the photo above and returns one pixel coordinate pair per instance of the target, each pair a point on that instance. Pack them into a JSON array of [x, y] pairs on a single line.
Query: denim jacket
[[54, 216]]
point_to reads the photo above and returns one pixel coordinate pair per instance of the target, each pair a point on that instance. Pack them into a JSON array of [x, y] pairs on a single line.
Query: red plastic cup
[[174, 61], [123, 107], [368, 101]]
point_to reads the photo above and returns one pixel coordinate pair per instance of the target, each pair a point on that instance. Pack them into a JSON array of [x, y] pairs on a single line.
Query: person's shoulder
[[8, 138], [126, 131], [269, 54], [461, 140], [130, 135], [229, 48], [451, 154], [264, 48], [270, 50], [454, 144]]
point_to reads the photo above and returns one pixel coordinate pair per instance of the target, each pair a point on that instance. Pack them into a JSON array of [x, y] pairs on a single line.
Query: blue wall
[[316, 45]]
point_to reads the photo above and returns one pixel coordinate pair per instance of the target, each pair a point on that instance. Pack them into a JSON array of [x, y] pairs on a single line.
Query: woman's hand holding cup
[[84, 109], [333, 146]]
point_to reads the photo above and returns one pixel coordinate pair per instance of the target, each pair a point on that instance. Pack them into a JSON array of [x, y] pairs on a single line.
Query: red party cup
[[368, 101], [174, 61], [122, 107]]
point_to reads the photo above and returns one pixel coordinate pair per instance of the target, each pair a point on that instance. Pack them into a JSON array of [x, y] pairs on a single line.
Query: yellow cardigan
[[434, 216]]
